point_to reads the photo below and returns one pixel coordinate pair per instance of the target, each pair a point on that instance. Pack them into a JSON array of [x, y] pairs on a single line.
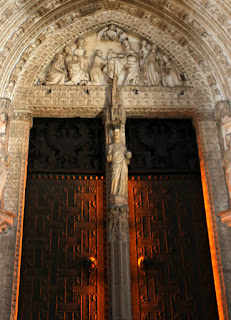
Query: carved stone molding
[[6, 220], [225, 217], [205, 115], [22, 115]]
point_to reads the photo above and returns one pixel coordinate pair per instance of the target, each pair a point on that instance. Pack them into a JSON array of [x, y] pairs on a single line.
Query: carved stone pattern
[[211, 173], [23, 150], [6, 220], [161, 144], [67, 144], [44, 98], [170, 227], [64, 225], [167, 4], [118, 223], [196, 75]]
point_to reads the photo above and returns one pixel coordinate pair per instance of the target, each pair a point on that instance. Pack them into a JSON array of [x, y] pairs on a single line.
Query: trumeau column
[[215, 200], [118, 159]]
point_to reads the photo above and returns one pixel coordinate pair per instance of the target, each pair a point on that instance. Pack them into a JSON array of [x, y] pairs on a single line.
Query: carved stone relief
[[97, 58], [6, 218], [223, 117]]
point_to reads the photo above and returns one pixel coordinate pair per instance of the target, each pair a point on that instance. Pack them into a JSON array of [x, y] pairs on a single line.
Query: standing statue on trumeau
[[120, 158]]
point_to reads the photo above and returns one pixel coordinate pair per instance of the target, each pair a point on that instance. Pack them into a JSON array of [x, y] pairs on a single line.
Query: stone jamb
[[197, 118], [23, 117], [211, 218]]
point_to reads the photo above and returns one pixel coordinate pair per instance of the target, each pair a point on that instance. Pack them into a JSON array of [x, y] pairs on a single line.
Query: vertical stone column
[[6, 217], [10, 244], [215, 200], [223, 120], [118, 211]]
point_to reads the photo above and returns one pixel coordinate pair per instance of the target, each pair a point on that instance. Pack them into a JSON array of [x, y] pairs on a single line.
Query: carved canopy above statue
[[97, 57]]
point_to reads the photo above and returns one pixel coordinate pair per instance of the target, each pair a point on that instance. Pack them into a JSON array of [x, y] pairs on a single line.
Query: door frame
[[201, 120]]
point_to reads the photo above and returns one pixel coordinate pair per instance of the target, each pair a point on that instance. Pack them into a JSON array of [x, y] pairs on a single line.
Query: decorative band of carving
[[118, 223], [205, 115], [22, 115]]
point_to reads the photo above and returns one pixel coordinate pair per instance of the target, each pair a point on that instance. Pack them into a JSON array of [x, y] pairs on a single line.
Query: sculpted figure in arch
[[77, 68], [227, 164], [111, 33], [56, 73], [96, 73], [119, 157], [170, 74], [151, 68], [128, 61]]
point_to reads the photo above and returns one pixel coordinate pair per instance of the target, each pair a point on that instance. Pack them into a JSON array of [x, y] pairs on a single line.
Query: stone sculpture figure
[[170, 74], [77, 74], [132, 64], [68, 56], [77, 67], [96, 73], [57, 72], [111, 33], [151, 68], [227, 164], [4, 159], [4, 162], [119, 157]]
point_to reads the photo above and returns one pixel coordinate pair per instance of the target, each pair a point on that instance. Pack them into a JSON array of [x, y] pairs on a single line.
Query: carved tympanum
[[132, 61]]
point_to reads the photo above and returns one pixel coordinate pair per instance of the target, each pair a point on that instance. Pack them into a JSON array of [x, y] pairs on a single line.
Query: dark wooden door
[[64, 228], [170, 258]]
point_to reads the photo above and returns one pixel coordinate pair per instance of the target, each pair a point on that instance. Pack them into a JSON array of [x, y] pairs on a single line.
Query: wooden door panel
[[168, 230], [63, 228]]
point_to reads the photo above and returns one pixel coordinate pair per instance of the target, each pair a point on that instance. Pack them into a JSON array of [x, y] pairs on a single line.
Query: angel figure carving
[[119, 157], [111, 33]]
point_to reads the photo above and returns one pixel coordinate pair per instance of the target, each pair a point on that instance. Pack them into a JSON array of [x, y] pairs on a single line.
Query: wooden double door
[[64, 273]]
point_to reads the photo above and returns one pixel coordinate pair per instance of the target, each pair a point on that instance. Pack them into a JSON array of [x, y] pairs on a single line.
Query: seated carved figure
[[76, 72], [112, 33], [56, 73], [96, 73], [132, 65], [170, 74]]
